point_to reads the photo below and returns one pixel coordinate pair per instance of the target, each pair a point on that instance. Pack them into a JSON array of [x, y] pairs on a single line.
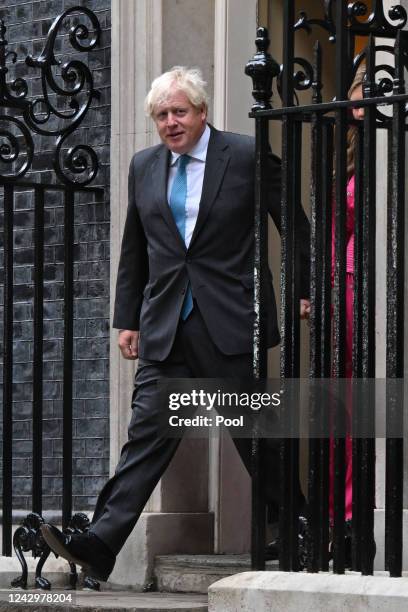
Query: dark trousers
[[148, 451]]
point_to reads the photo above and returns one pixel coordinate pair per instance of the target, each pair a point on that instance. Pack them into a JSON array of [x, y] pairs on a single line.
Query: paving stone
[[195, 573], [111, 601]]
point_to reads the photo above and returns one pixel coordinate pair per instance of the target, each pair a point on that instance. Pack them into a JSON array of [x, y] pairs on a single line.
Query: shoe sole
[[61, 551]]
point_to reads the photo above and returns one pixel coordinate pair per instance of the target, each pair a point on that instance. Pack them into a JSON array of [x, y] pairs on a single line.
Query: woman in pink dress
[[355, 93]]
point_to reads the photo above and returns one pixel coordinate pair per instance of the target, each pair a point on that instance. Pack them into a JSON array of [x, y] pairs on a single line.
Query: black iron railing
[[329, 121], [75, 167]]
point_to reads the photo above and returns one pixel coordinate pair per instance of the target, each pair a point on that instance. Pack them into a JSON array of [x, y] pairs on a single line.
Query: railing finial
[[262, 69]]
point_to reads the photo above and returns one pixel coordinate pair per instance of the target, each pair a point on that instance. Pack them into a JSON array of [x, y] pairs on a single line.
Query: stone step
[[322, 592], [195, 573], [106, 601]]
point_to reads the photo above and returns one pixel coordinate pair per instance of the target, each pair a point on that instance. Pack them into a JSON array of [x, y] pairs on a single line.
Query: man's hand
[[304, 309], [129, 343]]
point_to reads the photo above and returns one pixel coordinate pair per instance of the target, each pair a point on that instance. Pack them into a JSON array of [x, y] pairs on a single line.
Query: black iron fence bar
[[367, 407], [314, 491], [356, 501], [326, 253], [327, 107], [258, 506], [324, 535], [260, 361], [8, 369], [69, 201], [358, 255], [98, 191], [260, 358], [288, 522], [369, 224], [316, 237], [316, 274], [367, 459], [38, 348], [395, 321], [325, 335], [339, 448], [288, 188], [357, 354], [342, 62], [384, 124], [289, 452], [262, 69], [293, 443]]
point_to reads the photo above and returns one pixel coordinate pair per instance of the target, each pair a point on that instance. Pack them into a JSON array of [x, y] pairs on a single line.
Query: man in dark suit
[[184, 297]]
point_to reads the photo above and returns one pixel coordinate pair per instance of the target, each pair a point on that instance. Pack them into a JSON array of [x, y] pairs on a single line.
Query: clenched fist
[[129, 343]]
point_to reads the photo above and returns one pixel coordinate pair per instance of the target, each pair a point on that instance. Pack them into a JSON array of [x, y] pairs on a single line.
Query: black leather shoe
[[348, 546], [84, 549]]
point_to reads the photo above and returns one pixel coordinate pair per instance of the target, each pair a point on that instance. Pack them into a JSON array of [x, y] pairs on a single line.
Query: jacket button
[[183, 291]]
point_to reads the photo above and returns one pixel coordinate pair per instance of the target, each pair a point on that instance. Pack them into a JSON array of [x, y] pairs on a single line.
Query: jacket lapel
[[160, 168], [215, 165]]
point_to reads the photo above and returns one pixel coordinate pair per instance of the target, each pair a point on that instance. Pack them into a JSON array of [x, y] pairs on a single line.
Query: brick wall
[[27, 25]]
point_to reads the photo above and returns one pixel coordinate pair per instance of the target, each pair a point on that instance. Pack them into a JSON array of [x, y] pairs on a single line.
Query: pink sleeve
[[349, 227], [350, 207]]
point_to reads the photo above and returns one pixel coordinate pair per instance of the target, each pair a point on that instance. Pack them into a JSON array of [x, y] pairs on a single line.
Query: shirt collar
[[199, 151]]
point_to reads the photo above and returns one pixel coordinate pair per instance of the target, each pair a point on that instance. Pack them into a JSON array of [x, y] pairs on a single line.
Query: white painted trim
[[220, 63], [136, 60], [219, 106], [234, 22]]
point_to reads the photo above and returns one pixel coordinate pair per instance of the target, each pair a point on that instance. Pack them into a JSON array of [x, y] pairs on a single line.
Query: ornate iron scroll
[[376, 23], [360, 22], [69, 84], [28, 538], [19, 86]]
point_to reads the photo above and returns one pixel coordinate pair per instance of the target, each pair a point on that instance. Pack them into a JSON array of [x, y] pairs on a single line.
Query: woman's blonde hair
[[352, 131], [188, 80]]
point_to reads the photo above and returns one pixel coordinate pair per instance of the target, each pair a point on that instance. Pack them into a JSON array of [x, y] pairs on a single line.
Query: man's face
[[178, 122]]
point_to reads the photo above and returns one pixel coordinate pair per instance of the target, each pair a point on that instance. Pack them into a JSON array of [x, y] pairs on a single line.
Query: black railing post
[[325, 335], [38, 348], [339, 303], [395, 321], [367, 407], [8, 369], [69, 202], [289, 363], [262, 69], [357, 352], [315, 502]]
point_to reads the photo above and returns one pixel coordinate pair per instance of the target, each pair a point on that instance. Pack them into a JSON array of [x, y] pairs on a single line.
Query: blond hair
[[353, 129], [188, 80]]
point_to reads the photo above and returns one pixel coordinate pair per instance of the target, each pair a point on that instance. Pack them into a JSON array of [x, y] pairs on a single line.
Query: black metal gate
[[67, 92], [329, 120]]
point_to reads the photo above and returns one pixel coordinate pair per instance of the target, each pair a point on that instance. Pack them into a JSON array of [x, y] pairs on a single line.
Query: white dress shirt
[[195, 177]]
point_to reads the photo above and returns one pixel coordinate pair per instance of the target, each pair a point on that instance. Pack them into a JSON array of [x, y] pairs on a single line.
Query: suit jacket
[[155, 266]]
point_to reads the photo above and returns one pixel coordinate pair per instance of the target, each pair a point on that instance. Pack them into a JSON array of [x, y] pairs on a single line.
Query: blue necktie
[[177, 203]]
